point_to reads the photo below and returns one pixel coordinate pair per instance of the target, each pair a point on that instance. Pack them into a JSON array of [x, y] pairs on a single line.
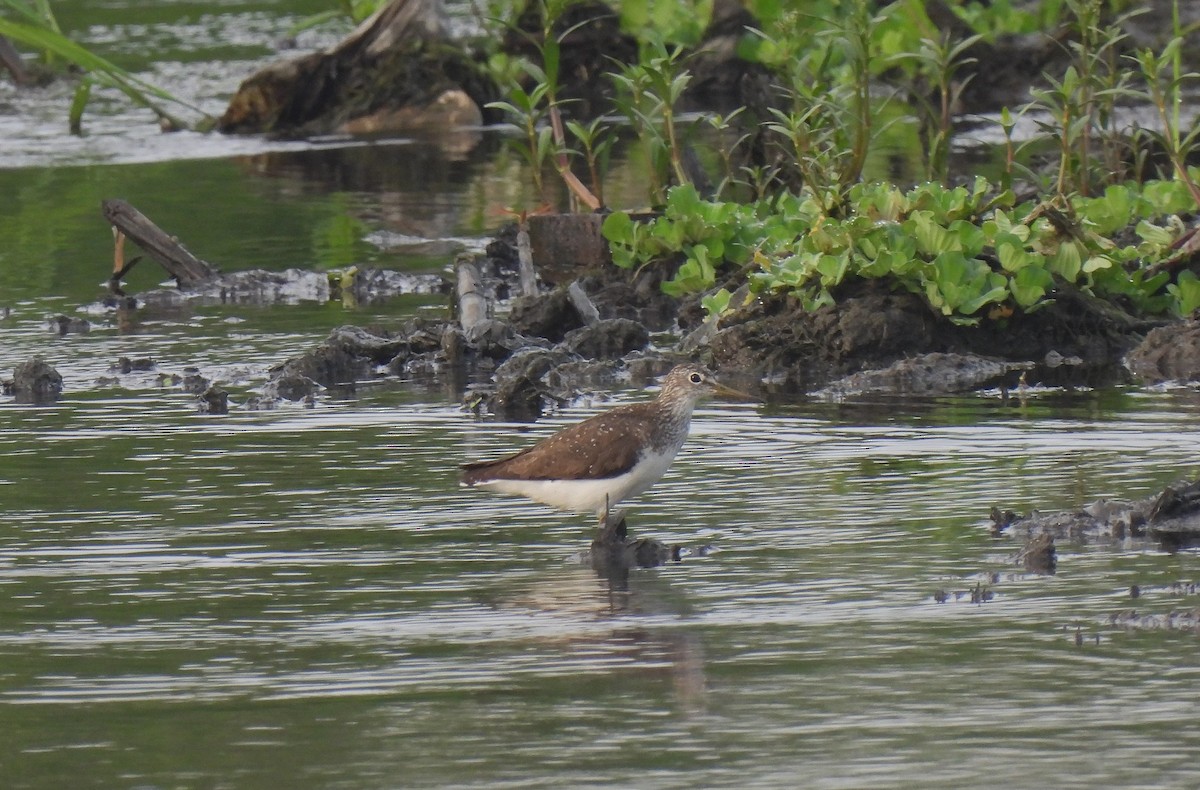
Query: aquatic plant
[[1165, 84], [649, 91], [527, 109], [536, 110], [937, 61], [596, 139], [35, 26], [962, 249]]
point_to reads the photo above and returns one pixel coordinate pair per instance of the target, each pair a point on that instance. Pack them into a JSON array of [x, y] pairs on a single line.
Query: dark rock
[[37, 382], [870, 327], [875, 327], [521, 393], [348, 355], [638, 296], [285, 386], [1172, 518], [498, 340], [1039, 555], [125, 365], [214, 400], [294, 388], [770, 337], [645, 368], [1169, 353], [501, 252], [776, 337], [193, 382], [549, 315], [608, 339], [614, 553], [564, 382], [454, 348], [931, 374], [419, 337], [63, 325]]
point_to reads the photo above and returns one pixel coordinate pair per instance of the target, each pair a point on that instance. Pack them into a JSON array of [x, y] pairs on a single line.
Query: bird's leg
[[611, 528]]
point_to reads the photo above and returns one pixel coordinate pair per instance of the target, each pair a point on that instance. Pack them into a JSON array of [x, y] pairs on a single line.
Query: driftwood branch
[[185, 268], [11, 60]]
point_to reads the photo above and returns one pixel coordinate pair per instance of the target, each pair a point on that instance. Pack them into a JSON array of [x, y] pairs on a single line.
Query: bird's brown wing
[[602, 446]]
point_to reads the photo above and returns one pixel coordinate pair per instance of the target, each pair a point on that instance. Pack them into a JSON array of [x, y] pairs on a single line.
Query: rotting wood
[[183, 266], [525, 259], [472, 304], [568, 242], [583, 304]]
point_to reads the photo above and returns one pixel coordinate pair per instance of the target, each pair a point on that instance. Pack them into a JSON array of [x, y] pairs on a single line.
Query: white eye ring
[[695, 378]]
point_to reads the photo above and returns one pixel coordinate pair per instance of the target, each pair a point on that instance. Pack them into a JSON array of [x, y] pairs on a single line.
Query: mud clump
[[931, 374], [550, 316], [35, 382], [610, 338], [869, 329], [1171, 518], [1169, 353]]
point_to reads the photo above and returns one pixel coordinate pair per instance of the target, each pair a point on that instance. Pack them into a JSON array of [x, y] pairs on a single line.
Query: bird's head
[[692, 382]]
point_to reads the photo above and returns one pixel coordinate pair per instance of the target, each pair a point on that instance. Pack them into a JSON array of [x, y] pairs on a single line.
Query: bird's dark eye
[[695, 378]]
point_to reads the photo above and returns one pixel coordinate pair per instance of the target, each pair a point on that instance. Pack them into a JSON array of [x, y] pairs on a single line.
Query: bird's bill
[[721, 391]]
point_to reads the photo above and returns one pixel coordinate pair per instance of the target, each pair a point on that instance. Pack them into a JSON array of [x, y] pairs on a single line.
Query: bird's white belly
[[593, 495]]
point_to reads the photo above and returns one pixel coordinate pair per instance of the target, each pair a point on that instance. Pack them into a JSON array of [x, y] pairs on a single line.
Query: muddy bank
[[878, 340], [539, 351], [589, 326]]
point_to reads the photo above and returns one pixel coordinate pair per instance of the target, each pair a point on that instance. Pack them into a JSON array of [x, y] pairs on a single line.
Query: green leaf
[[683, 201], [964, 284], [932, 238], [1148, 231], [1012, 253], [1186, 290], [1030, 285], [1066, 262], [716, 302], [618, 228], [832, 268], [79, 104]]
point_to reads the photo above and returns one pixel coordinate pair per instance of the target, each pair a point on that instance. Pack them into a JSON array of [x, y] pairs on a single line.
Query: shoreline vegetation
[[767, 135]]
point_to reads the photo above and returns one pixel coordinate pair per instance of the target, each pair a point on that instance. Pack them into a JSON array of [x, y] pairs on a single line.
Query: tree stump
[[397, 71]]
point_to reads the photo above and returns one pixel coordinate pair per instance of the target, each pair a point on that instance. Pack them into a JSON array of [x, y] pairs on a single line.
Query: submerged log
[[187, 269], [397, 70]]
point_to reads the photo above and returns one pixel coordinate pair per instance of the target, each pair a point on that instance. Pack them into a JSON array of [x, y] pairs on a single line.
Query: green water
[[305, 598]]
